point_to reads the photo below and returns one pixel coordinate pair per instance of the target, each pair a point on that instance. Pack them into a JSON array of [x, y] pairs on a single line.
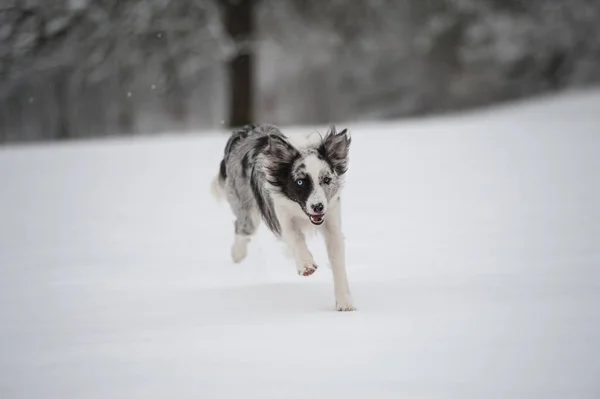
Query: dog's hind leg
[[246, 225]]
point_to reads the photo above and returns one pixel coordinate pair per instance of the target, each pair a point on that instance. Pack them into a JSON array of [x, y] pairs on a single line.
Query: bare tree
[[238, 18]]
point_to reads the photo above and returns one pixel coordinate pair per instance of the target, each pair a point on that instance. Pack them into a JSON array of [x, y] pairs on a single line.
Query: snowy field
[[473, 257]]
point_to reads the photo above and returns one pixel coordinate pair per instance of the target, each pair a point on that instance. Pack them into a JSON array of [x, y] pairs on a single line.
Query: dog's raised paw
[[307, 269]]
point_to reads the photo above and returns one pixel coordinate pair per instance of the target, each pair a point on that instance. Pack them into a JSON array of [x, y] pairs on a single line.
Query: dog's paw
[[306, 269], [238, 253], [239, 249], [345, 308], [344, 305]]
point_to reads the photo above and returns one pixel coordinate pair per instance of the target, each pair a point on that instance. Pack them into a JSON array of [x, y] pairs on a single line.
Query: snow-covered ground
[[473, 250]]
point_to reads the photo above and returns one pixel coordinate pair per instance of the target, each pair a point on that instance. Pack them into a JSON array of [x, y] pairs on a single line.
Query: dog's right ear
[[280, 151]]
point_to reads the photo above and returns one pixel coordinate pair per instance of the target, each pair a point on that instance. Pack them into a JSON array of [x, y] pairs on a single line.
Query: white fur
[[313, 167], [239, 250], [334, 240], [216, 190], [295, 225]]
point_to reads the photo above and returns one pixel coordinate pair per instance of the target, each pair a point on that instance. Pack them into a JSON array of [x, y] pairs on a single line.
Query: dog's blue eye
[[299, 182]]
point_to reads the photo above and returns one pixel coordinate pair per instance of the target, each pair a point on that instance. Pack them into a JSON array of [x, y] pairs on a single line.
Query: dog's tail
[[217, 186]]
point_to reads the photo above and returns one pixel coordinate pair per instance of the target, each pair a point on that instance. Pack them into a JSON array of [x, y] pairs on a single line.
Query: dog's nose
[[318, 208]]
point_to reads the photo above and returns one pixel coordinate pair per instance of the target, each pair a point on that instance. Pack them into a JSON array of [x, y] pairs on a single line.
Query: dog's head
[[311, 176]]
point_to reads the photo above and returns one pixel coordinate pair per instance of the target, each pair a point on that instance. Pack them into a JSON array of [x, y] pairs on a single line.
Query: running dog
[[291, 187]]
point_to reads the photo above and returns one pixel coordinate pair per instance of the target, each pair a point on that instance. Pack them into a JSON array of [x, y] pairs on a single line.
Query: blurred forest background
[[86, 68]]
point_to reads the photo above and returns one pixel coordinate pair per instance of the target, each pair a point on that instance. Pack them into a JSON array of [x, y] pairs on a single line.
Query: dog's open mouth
[[316, 219]]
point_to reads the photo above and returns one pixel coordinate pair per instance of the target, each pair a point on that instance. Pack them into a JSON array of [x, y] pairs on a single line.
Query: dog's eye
[[327, 180], [299, 182]]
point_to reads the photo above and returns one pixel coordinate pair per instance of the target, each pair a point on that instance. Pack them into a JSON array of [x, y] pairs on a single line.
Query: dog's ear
[[280, 151], [335, 148]]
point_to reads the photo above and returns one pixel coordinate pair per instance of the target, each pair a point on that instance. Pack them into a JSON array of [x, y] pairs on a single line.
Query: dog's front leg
[[334, 240], [296, 242]]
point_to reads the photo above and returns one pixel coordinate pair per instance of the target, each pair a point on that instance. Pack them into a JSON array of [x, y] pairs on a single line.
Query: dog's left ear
[[335, 148]]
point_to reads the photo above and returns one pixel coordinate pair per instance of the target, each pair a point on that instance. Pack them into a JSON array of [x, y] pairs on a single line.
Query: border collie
[[293, 188]]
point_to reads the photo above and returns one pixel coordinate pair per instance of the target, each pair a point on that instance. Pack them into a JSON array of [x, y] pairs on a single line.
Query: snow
[[473, 257]]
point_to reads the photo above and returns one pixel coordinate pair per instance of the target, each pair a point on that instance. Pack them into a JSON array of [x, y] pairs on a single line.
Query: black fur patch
[[223, 170], [281, 175], [261, 143], [299, 193], [245, 163], [282, 156]]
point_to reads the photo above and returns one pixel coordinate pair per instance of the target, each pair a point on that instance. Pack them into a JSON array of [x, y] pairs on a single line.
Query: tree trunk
[[238, 16], [62, 101]]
